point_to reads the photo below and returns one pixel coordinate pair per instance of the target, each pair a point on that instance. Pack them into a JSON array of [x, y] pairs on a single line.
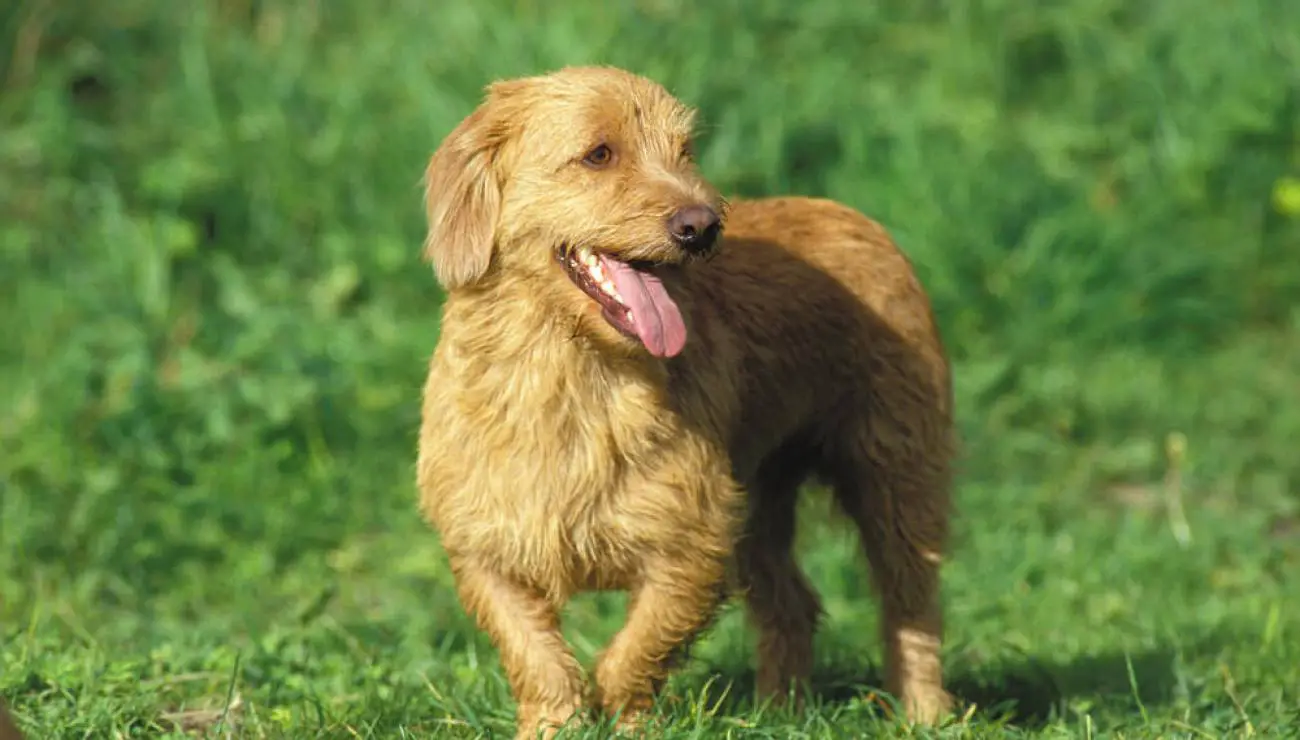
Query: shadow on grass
[[1027, 693]]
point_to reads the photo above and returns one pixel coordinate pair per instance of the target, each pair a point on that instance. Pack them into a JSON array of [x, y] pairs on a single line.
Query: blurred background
[[215, 322]]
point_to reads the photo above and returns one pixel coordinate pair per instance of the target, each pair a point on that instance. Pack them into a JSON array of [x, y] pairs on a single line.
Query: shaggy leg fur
[[906, 575], [665, 614], [892, 491], [783, 607], [544, 677]]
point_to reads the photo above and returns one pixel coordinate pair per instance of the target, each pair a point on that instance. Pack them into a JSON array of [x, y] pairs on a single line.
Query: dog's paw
[[929, 707], [545, 723]]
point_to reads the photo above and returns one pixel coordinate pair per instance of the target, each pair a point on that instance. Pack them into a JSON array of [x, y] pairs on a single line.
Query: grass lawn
[[1067, 617], [215, 321]]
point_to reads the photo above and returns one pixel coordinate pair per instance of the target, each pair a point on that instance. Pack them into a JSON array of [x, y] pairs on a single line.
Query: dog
[[634, 378]]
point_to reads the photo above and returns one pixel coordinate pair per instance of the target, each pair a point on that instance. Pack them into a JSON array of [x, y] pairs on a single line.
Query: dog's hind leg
[[544, 677], [892, 479], [783, 607]]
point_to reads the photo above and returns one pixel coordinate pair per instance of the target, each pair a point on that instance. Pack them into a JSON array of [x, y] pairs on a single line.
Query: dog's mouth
[[631, 298]]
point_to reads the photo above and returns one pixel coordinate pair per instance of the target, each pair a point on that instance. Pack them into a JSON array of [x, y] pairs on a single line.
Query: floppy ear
[[463, 198]]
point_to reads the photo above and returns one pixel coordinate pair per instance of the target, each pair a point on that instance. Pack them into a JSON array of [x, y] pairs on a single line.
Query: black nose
[[696, 228]]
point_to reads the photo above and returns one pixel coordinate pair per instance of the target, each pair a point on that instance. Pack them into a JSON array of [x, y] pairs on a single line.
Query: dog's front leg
[[524, 626], [674, 602]]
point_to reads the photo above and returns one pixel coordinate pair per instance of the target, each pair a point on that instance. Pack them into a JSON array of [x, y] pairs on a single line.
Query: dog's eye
[[601, 156], [688, 151]]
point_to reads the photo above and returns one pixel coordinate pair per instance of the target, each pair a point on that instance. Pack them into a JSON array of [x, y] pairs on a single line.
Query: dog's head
[[587, 171]]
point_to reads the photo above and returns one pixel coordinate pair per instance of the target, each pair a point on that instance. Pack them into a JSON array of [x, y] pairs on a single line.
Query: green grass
[[1064, 617], [215, 321]]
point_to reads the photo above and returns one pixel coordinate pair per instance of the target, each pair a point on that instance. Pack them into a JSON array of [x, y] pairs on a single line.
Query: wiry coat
[[557, 455]]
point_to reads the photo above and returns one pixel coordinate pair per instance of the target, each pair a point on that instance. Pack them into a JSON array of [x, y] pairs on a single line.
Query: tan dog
[[621, 399]]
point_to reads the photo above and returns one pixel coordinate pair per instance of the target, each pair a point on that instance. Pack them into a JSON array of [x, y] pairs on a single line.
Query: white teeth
[[589, 260]]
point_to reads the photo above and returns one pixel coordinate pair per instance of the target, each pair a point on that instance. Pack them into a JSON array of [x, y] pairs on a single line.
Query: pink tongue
[[657, 319]]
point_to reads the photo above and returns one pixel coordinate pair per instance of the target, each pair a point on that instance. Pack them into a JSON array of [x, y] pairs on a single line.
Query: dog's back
[[810, 302]]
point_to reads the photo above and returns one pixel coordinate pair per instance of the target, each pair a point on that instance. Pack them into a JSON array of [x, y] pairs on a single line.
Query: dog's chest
[[546, 481]]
